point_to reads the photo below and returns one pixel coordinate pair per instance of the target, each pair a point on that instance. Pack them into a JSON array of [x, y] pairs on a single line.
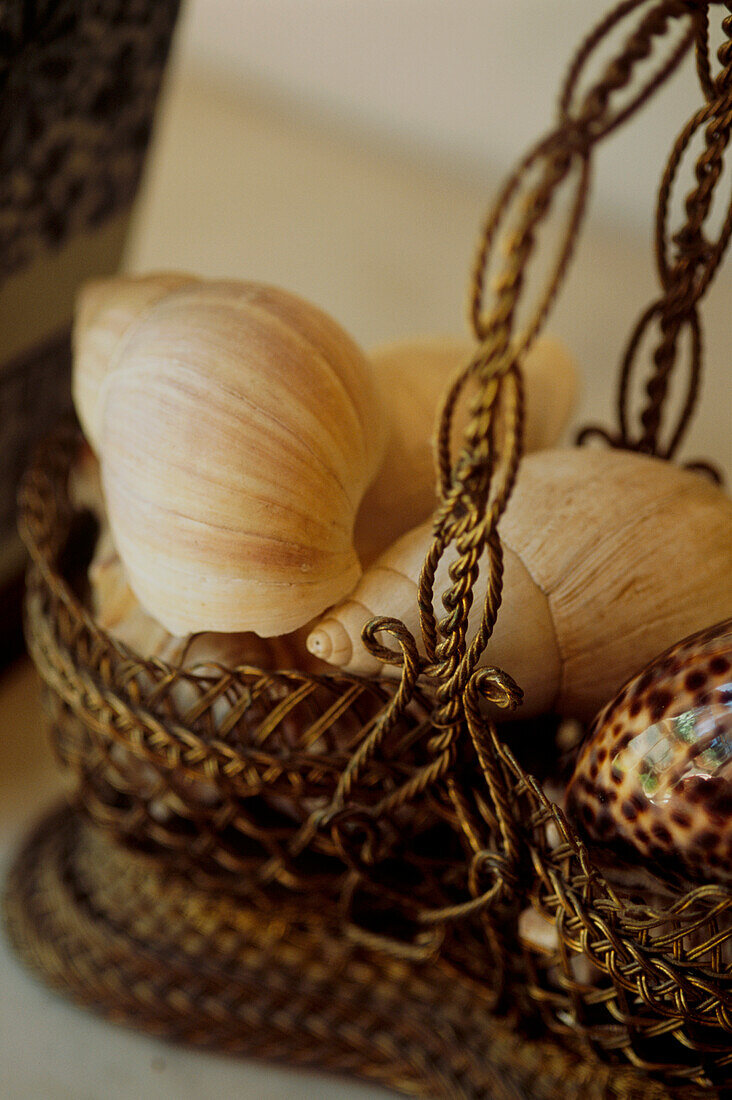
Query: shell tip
[[330, 642], [318, 642]]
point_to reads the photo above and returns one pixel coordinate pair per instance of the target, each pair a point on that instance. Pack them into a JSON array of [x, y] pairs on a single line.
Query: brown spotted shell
[[656, 771]]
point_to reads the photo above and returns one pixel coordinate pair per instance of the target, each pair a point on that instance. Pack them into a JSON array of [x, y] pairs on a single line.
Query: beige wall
[[381, 233], [470, 80]]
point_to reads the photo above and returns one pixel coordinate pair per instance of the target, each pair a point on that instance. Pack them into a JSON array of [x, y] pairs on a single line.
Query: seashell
[[413, 376], [537, 933], [118, 611], [609, 556], [656, 770], [103, 317], [113, 604], [238, 428]]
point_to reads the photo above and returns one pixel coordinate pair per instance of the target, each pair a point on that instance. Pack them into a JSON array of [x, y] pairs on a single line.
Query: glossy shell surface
[[656, 771]]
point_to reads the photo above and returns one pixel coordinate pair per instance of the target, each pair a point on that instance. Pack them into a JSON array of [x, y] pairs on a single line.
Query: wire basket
[[402, 803], [274, 979]]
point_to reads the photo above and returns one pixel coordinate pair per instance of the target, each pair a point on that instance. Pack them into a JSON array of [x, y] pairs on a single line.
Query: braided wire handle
[[475, 486], [685, 275]]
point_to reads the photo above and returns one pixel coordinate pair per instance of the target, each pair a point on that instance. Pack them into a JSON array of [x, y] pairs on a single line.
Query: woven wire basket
[[271, 978], [402, 803], [220, 773]]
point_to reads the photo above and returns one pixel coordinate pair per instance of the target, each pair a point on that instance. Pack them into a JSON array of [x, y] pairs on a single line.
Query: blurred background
[[349, 150]]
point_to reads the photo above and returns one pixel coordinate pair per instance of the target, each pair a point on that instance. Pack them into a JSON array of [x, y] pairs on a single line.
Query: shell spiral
[[238, 428]]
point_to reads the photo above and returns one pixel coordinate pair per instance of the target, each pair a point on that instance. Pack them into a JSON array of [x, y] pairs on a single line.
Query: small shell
[[656, 772]]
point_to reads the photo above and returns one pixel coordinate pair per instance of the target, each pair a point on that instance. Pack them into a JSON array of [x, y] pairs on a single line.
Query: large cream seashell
[[413, 377], [609, 557], [103, 317], [238, 427], [118, 611]]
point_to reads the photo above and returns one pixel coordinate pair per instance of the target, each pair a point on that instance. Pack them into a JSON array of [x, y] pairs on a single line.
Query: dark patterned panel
[[77, 93], [34, 394], [78, 84]]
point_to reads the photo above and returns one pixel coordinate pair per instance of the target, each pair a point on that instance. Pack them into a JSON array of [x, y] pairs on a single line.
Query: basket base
[[147, 949]]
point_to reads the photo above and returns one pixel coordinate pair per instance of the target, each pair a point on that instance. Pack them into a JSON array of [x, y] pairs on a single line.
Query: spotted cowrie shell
[[655, 773]]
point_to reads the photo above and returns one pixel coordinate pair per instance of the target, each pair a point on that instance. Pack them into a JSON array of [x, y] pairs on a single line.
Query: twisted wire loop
[[475, 485], [465, 517], [687, 261], [508, 825]]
